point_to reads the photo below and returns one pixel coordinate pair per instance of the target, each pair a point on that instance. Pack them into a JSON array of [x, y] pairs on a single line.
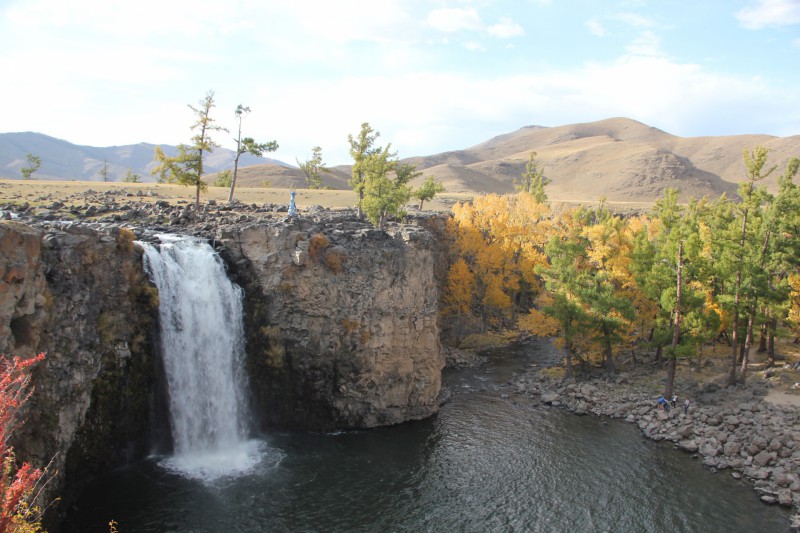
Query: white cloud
[[312, 80], [595, 28], [348, 20], [428, 110], [635, 21], [768, 13], [454, 19], [646, 43], [506, 28]]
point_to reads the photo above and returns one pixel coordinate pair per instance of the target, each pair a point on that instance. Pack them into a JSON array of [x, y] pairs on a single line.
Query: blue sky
[[431, 76]]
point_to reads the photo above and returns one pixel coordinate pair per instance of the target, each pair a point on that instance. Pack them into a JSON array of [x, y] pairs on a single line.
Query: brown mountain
[[618, 158]]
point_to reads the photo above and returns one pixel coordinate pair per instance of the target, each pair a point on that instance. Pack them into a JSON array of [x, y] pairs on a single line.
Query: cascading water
[[200, 313]]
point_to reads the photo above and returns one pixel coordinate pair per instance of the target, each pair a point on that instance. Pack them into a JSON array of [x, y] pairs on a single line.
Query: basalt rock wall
[[341, 320], [78, 295]]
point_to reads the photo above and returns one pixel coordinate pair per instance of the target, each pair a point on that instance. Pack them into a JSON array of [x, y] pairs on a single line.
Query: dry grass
[[37, 192]]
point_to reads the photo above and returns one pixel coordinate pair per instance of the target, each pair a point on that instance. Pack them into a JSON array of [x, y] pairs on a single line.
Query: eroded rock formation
[[341, 321], [79, 295], [341, 325]]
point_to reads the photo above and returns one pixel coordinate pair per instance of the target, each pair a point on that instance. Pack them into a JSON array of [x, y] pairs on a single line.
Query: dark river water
[[483, 464]]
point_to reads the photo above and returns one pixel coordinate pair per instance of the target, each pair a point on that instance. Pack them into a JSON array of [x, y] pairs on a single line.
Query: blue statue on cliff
[[293, 207]]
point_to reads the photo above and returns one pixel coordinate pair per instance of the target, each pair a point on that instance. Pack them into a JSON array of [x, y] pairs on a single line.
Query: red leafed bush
[[17, 483]]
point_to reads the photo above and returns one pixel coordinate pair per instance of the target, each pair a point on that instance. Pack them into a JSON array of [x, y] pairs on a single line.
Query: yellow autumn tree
[[500, 239]]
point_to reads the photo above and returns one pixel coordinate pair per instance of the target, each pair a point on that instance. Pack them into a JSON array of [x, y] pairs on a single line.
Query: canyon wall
[[79, 295], [341, 320]]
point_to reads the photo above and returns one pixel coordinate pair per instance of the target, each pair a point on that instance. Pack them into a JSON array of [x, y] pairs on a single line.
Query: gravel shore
[[749, 430]]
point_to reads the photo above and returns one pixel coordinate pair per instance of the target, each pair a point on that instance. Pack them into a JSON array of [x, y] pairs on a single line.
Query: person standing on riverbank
[[663, 403], [686, 406]]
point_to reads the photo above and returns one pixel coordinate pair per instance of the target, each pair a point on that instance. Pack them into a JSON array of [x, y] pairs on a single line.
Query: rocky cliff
[[79, 295], [341, 320], [341, 329]]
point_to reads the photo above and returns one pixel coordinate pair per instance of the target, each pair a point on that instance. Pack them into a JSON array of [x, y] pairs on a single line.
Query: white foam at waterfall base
[[240, 459], [202, 341]]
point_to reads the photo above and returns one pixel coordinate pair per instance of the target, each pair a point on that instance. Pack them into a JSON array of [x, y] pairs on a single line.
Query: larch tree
[[533, 180], [782, 258], [246, 145], [33, 164], [385, 189], [741, 252], [186, 168], [564, 278], [502, 238], [131, 177], [104, 171], [609, 308], [362, 147], [427, 190], [313, 167]]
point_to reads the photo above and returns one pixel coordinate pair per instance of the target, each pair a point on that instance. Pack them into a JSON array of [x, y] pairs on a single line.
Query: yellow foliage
[[539, 324], [499, 241], [494, 295], [460, 288], [794, 297]]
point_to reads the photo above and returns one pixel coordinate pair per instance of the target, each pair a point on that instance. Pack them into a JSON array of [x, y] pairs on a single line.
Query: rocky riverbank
[[726, 428]]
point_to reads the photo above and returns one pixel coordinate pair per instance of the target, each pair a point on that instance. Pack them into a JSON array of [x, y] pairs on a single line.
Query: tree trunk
[[610, 367], [747, 342], [762, 339], [734, 345], [737, 299], [568, 348], [676, 330], [233, 180], [773, 326], [741, 347]]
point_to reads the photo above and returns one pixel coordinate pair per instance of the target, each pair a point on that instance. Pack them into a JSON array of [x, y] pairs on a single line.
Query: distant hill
[[618, 158], [62, 160]]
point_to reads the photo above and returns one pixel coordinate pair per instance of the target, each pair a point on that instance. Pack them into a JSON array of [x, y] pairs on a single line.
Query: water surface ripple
[[482, 464]]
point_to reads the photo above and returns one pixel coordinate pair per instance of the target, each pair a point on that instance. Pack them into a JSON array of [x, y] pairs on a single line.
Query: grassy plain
[[37, 192]]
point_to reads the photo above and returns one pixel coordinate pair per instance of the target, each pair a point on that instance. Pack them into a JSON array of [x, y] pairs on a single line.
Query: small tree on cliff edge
[[313, 167], [18, 485], [34, 162], [186, 168], [533, 181], [362, 148], [429, 188], [246, 145]]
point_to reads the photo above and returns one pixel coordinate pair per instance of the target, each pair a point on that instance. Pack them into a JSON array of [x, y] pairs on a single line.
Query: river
[[482, 464]]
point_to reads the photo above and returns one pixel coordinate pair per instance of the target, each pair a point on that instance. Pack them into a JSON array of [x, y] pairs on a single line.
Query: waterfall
[[202, 345]]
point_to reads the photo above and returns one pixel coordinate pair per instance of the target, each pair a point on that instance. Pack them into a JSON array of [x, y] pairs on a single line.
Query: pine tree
[[312, 168], [186, 168], [246, 145], [361, 149]]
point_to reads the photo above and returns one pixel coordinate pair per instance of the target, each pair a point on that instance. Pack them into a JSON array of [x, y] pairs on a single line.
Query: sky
[[430, 76]]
